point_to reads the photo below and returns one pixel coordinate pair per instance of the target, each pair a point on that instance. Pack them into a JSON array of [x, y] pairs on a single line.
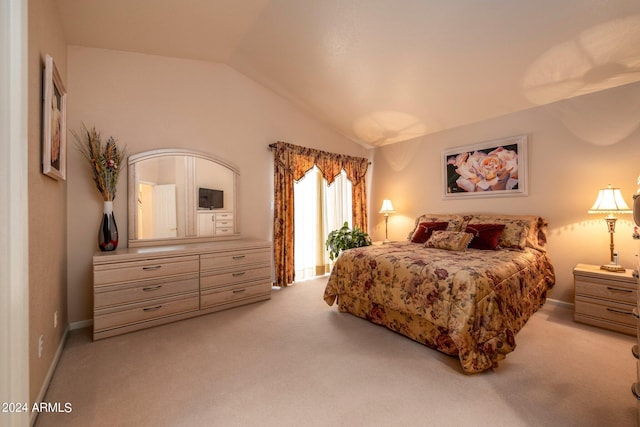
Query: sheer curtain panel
[[291, 163], [319, 208]]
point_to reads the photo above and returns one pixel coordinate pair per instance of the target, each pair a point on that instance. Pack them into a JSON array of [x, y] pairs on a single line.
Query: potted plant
[[345, 238]]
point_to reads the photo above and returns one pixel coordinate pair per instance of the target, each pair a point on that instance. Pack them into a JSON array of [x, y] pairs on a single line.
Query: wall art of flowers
[[489, 169], [104, 157]]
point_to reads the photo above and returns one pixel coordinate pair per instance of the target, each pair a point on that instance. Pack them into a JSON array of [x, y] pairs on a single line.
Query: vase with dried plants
[[105, 160]]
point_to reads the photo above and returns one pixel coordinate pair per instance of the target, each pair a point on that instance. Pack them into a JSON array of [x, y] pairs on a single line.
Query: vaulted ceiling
[[384, 71]]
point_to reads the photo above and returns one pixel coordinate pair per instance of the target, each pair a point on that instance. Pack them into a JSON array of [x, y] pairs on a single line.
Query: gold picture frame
[[54, 122]]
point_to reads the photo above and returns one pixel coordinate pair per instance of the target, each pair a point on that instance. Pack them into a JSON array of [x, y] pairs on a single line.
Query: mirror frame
[[636, 209], [134, 159]]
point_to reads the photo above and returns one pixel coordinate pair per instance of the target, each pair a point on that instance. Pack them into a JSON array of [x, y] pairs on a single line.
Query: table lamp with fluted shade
[[611, 203], [386, 209]]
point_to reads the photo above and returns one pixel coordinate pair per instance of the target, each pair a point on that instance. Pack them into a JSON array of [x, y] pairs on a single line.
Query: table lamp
[[386, 209], [610, 202]]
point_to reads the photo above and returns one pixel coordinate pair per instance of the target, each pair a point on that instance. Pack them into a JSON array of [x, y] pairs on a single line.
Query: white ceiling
[[384, 71]]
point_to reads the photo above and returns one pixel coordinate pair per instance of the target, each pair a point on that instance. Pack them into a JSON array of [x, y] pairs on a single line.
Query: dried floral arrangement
[[105, 159]]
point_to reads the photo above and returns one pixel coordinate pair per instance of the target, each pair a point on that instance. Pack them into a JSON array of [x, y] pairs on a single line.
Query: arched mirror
[[179, 196]]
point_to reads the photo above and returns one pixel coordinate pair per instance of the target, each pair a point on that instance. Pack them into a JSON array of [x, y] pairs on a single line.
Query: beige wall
[[149, 102], [47, 204], [567, 167]]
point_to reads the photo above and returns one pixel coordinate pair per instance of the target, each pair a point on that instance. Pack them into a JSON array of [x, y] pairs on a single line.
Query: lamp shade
[[387, 207], [610, 201]]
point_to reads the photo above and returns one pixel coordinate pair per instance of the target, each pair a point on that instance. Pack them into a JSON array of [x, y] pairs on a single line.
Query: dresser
[[136, 288], [605, 299]]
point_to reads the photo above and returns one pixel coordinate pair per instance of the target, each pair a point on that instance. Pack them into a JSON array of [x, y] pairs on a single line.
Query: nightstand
[[605, 299]]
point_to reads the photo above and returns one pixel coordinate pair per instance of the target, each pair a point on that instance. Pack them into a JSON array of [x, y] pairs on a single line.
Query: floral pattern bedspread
[[470, 304]]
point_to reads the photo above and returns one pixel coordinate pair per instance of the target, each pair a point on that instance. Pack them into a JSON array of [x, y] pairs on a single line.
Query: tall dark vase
[[108, 234]]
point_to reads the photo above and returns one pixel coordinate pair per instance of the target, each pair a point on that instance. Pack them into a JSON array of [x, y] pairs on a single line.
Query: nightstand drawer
[[621, 292], [613, 312], [605, 324]]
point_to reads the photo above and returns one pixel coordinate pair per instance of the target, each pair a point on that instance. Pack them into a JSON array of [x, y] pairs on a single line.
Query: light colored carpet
[[294, 361]]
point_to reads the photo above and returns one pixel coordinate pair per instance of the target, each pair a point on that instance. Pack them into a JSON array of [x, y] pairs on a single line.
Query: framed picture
[[54, 122], [488, 169]]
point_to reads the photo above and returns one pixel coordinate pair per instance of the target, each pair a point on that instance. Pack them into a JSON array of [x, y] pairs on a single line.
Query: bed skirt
[[485, 356]]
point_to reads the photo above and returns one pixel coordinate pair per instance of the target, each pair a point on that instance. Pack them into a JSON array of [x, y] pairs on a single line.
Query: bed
[[461, 284]]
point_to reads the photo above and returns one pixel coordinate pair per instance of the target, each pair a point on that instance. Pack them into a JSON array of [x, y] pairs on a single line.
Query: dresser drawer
[[614, 312], [229, 277], [224, 216], [135, 313], [105, 296], [230, 294], [234, 258], [223, 231], [620, 292], [224, 223], [140, 270]]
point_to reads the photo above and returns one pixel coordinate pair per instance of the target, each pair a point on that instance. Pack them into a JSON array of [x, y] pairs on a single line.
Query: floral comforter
[[470, 304]]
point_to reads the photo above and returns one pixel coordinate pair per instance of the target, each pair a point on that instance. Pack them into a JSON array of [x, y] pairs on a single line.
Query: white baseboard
[[47, 378], [81, 324], [560, 303]]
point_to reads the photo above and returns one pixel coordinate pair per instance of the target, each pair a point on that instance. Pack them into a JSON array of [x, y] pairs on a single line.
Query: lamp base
[[613, 267]]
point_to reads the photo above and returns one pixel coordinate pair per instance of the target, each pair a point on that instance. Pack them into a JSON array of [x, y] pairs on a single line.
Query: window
[[319, 209]]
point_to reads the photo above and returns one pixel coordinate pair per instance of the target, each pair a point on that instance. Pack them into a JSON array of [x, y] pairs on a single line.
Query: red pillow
[[424, 230], [486, 236]]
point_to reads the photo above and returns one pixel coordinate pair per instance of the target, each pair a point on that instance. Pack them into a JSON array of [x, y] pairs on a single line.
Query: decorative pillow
[[424, 230], [455, 222], [449, 240], [485, 236], [516, 228]]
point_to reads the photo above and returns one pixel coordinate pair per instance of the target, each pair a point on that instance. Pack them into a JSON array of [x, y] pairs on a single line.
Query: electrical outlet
[[40, 345], [55, 319]]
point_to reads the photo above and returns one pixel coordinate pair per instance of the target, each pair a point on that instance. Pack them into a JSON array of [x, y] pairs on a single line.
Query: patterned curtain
[[291, 163]]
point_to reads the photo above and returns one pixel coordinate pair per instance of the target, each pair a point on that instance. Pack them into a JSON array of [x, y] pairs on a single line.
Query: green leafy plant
[[345, 238]]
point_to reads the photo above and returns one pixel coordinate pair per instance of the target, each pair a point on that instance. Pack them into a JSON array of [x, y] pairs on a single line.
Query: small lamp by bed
[[610, 202], [386, 209]]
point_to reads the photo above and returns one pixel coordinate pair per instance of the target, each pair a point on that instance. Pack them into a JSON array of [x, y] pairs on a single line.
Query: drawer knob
[[158, 307], [238, 291], [238, 274], [237, 257], [155, 267], [151, 288]]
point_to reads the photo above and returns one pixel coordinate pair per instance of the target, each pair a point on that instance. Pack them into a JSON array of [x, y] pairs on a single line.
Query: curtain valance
[[299, 160]]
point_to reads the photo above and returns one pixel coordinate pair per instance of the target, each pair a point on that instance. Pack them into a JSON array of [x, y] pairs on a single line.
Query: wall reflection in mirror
[[180, 195]]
